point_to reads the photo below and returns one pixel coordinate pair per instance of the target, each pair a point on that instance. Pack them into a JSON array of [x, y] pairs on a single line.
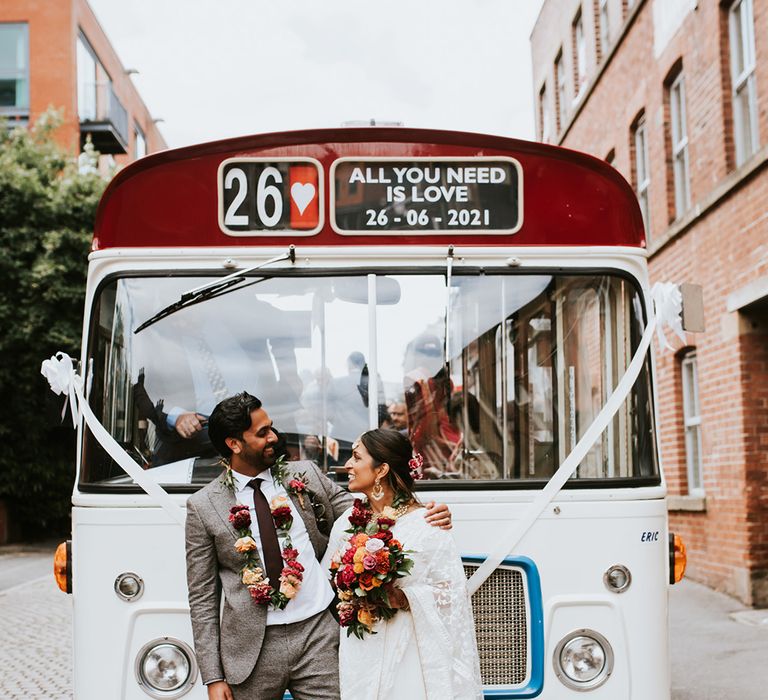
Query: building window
[[679, 136], [604, 29], [692, 422], [87, 81], [579, 54], [641, 174], [139, 143], [544, 118], [560, 95], [742, 42], [14, 70]]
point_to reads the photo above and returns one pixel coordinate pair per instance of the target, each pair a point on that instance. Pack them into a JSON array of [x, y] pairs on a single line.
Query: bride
[[428, 649]]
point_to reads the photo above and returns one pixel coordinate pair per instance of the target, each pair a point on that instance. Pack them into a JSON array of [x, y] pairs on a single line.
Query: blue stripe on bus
[[536, 683]]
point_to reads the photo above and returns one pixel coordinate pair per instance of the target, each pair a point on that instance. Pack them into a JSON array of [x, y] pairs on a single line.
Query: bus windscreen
[[494, 379]]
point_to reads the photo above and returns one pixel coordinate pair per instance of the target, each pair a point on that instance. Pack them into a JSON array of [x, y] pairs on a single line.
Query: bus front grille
[[501, 626]]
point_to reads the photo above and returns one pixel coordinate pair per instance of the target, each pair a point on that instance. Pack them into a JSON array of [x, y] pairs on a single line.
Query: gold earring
[[377, 492]]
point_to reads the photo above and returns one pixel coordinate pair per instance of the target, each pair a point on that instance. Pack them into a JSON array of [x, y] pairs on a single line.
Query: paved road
[[35, 628], [719, 647]]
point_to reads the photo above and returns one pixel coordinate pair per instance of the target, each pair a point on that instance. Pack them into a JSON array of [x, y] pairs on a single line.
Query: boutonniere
[[298, 487]]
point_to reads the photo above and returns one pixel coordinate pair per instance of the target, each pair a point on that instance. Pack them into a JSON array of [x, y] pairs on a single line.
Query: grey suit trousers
[[302, 657]]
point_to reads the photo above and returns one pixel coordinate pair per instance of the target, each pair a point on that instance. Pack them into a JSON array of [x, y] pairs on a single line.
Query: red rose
[[385, 536], [290, 553], [347, 613], [294, 565], [347, 575], [349, 556], [261, 593], [283, 518], [385, 523], [240, 517]]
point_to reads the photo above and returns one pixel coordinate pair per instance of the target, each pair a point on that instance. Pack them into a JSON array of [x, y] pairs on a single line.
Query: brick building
[[55, 54], [674, 94]]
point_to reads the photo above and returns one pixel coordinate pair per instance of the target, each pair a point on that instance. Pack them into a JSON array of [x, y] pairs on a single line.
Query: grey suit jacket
[[228, 647]]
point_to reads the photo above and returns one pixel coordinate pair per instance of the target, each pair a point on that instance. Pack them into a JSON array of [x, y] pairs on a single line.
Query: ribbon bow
[[61, 375], [59, 370], [668, 302]]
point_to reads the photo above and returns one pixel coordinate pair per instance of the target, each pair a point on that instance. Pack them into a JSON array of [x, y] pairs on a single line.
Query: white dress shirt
[[315, 593]]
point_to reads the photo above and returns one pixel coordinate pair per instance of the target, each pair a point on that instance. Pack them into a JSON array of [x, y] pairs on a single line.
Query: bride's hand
[[397, 599], [438, 515]]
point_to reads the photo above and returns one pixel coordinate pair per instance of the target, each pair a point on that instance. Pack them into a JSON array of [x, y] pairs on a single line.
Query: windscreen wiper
[[214, 288]]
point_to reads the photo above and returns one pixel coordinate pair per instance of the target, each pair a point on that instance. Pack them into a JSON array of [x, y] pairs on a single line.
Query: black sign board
[[437, 195]]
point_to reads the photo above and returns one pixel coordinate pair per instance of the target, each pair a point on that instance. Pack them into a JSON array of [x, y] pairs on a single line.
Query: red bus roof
[[171, 199]]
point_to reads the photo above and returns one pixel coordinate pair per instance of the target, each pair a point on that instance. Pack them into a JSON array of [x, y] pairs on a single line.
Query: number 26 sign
[[270, 196]]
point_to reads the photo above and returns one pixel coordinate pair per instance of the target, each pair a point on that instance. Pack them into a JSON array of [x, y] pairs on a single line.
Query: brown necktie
[[270, 545]]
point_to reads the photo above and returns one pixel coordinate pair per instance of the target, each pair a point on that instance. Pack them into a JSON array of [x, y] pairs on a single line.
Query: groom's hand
[[219, 690], [438, 515]]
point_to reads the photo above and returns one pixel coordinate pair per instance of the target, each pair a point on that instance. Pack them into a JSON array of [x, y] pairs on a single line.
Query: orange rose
[[358, 567], [366, 581], [365, 617], [245, 544], [252, 576]]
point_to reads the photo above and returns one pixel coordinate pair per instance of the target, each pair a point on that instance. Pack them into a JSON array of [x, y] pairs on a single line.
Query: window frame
[[20, 73], [139, 137], [544, 118], [560, 92], [603, 19], [692, 421], [579, 53], [679, 140], [642, 186], [741, 32]]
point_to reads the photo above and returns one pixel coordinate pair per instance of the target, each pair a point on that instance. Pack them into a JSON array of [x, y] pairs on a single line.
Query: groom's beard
[[260, 461]]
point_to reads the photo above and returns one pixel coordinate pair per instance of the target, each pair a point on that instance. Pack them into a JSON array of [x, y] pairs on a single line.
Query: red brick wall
[[724, 248], [53, 30]]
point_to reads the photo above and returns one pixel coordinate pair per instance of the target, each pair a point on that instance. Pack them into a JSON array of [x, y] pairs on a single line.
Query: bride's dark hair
[[392, 447]]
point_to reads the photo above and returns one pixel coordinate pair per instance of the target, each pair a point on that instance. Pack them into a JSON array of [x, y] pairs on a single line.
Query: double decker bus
[[482, 294]]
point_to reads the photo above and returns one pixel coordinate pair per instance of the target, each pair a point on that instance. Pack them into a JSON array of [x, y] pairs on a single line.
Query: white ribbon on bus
[[60, 372], [667, 301]]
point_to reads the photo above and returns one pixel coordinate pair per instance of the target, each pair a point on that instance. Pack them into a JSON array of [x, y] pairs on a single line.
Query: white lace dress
[[428, 652]]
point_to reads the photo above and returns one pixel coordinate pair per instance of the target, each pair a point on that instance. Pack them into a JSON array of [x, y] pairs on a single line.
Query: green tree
[[47, 210]]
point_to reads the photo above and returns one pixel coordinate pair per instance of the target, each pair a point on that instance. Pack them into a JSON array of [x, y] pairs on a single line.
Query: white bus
[[491, 292]]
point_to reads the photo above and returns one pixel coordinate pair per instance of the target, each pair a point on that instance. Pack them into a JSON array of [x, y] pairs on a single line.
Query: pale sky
[[218, 68]]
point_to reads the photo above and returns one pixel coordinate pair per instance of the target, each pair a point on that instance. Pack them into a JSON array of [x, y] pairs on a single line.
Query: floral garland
[[260, 588]]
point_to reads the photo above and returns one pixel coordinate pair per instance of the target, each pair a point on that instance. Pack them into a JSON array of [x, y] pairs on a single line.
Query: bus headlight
[[583, 659], [166, 668]]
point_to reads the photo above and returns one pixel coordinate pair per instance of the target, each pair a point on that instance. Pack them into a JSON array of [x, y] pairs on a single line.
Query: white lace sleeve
[[442, 617]]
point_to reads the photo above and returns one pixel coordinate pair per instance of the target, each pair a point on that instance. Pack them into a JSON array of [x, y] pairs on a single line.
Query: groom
[[253, 651]]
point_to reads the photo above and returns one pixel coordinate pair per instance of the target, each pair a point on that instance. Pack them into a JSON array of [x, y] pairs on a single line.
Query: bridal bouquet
[[365, 568]]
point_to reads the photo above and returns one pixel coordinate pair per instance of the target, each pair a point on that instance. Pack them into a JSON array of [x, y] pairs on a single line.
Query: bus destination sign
[[270, 197], [438, 195]]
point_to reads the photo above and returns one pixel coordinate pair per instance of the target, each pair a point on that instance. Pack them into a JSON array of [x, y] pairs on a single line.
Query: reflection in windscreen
[[528, 362]]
